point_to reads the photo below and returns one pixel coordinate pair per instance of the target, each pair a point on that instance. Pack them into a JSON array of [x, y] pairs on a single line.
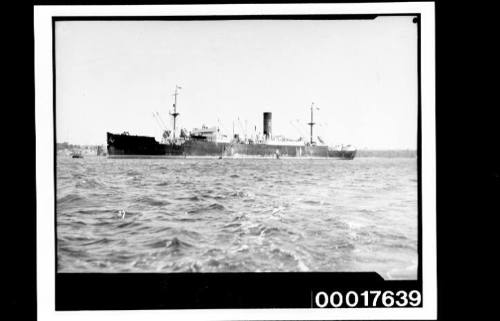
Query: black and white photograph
[[244, 146], [238, 145]]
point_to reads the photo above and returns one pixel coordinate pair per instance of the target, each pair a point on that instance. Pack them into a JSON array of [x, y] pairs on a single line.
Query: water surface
[[237, 215]]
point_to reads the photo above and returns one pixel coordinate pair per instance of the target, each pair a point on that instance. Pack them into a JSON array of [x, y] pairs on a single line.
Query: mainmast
[[312, 122], [175, 113]]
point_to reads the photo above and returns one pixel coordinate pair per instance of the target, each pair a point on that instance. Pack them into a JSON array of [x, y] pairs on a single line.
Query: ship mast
[[175, 113], [312, 122]]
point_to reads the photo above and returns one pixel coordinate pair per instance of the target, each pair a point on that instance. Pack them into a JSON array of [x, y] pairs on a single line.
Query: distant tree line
[[65, 145], [386, 153]]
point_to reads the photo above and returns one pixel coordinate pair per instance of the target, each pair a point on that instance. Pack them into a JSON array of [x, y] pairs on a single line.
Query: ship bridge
[[211, 134]]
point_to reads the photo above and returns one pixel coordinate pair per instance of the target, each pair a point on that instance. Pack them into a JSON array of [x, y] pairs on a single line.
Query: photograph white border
[[45, 162]]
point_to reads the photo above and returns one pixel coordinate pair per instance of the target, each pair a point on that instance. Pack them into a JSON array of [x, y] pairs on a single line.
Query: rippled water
[[237, 215]]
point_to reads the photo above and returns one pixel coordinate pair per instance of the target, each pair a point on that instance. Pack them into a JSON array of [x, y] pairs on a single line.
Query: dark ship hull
[[128, 146]]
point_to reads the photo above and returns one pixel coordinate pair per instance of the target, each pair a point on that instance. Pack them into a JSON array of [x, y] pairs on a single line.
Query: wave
[[152, 201], [241, 194], [240, 217], [163, 229], [344, 245], [266, 231], [102, 241], [286, 255], [92, 211], [368, 211], [173, 244], [76, 253], [189, 198], [313, 202], [187, 219], [129, 224], [390, 235], [75, 238], [89, 183], [232, 225], [401, 246], [70, 198], [121, 257], [72, 223], [263, 230], [209, 208], [212, 252], [133, 172], [216, 206], [157, 244]]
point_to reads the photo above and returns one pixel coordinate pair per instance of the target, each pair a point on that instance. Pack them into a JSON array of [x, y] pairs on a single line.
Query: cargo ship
[[211, 142]]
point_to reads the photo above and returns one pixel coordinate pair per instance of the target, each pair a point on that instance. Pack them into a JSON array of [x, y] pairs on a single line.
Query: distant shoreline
[[389, 153]]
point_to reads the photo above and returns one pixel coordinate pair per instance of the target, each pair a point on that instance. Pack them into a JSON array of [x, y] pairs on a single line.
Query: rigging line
[[158, 123], [297, 129], [161, 120]]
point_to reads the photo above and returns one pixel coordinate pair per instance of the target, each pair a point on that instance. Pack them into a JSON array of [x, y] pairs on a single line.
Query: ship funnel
[[268, 124]]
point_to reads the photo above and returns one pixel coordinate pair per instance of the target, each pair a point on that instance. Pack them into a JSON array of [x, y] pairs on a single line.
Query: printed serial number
[[367, 298]]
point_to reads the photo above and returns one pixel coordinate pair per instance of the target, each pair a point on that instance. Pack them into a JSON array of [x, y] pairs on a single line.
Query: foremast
[[175, 113], [312, 123]]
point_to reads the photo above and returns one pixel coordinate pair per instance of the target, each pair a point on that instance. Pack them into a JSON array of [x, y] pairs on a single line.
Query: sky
[[111, 76]]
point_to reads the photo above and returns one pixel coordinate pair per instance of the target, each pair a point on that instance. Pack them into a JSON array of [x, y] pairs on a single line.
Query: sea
[[237, 215]]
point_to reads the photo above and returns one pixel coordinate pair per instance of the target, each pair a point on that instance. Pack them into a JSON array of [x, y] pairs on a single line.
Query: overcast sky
[[361, 74]]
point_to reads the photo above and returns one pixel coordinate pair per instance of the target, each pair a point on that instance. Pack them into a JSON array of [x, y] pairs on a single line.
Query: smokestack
[[268, 125]]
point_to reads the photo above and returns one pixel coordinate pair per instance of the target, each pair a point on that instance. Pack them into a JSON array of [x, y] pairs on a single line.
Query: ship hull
[[127, 146]]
